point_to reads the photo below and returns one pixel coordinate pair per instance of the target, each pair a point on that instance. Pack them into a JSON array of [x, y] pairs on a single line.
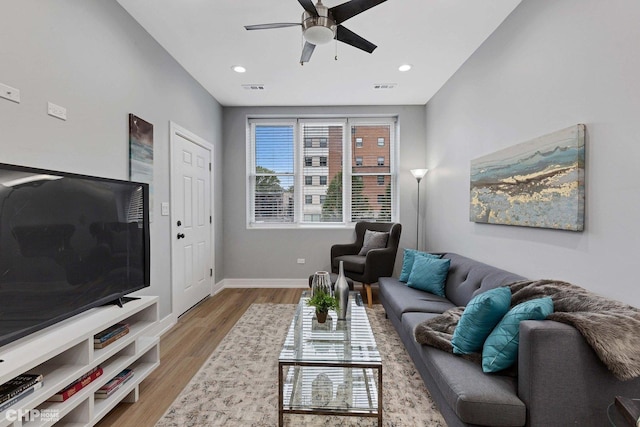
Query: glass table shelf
[[332, 368]]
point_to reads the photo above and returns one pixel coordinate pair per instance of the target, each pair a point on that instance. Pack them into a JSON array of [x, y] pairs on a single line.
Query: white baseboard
[[217, 287], [265, 283], [165, 324]]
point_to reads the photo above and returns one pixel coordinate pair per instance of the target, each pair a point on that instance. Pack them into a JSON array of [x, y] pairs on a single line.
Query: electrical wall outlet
[[10, 93], [301, 261]]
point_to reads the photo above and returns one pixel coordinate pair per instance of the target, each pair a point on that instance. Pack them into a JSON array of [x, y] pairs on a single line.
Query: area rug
[[238, 385]]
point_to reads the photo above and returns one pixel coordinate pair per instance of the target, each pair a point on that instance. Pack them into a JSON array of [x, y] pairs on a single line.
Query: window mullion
[[346, 167]]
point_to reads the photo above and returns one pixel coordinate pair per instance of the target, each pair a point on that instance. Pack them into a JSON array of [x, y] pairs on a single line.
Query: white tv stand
[[64, 352]]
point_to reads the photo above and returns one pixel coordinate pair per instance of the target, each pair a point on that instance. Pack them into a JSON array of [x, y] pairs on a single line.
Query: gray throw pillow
[[373, 240]]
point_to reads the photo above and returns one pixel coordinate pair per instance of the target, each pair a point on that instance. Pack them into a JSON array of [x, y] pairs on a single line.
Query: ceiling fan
[[321, 24]]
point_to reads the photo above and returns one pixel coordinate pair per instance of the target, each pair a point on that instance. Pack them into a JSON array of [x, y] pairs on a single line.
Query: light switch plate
[[164, 208], [10, 93]]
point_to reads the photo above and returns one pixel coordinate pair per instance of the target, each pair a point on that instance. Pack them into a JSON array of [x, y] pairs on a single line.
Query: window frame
[[348, 153]]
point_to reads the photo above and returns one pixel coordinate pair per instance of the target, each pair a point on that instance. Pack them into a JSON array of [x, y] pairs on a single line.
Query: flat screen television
[[68, 243]]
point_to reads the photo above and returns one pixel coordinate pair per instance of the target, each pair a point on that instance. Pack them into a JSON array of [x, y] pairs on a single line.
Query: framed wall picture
[[141, 154]]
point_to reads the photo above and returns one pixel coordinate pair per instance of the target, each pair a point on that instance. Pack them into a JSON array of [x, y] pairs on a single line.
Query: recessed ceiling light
[[404, 67], [238, 69]]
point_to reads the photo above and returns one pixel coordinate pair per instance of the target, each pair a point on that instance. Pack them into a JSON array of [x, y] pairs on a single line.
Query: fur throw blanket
[[611, 328]]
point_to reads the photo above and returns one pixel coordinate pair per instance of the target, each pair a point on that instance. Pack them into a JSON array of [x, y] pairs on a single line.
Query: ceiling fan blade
[[270, 26], [347, 10], [349, 37], [307, 50], [309, 7]]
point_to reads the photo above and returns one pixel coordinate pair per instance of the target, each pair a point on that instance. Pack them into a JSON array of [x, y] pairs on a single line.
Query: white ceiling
[[207, 37]]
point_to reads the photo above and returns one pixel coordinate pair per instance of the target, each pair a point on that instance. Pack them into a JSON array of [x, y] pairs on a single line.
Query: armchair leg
[[367, 286]]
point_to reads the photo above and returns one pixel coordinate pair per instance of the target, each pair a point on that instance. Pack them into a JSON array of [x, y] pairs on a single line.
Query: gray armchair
[[376, 263]]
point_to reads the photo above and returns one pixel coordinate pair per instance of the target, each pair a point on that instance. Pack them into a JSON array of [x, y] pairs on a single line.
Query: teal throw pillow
[[501, 347], [480, 316], [407, 262], [429, 274]]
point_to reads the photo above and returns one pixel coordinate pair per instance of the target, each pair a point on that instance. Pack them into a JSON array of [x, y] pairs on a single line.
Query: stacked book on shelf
[[18, 388], [77, 385], [116, 382], [109, 335]]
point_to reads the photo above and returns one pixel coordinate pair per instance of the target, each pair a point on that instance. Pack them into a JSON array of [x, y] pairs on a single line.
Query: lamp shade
[[419, 173]]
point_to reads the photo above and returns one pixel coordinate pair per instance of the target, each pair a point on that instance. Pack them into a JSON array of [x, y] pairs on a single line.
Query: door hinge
[[209, 166], [211, 272], [210, 220]]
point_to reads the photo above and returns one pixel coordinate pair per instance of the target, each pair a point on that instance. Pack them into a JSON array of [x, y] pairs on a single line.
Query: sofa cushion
[[500, 350], [429, 274], [373, 240], [407, 262], [400, 298], [475, 397], [480, 316]]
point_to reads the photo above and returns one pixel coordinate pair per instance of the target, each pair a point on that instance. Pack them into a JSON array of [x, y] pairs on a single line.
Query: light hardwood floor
[[185, 348]]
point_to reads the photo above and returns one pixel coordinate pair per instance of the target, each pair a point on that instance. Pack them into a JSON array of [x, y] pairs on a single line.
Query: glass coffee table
[[332, 368]]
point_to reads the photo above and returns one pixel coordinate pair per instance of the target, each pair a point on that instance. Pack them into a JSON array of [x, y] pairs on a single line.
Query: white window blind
[[327, 140], [273, 174], [371, 184]]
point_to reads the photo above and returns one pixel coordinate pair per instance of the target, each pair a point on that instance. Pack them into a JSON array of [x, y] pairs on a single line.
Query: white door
[[192, 260]]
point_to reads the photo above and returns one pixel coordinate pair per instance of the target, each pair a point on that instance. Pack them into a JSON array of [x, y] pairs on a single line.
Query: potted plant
[[323, 302]]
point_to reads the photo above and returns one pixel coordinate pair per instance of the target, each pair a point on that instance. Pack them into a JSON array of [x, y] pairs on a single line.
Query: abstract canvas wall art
[[539, 183], [141, 153]]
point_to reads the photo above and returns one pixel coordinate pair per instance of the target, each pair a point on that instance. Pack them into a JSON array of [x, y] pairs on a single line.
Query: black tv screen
[[68, 243]]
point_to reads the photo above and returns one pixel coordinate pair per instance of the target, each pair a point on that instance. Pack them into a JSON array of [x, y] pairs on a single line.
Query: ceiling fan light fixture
[[318, 34], [238, 69], [404, 67]]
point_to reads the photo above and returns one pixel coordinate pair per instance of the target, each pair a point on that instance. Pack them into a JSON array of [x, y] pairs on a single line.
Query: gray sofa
[[559, 380]]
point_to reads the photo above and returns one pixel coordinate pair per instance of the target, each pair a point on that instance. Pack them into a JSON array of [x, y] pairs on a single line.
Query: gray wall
[[91, 57], [272, 254], [551, 64]]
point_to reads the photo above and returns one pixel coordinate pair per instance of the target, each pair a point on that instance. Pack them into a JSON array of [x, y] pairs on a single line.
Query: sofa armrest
[[560, 378]]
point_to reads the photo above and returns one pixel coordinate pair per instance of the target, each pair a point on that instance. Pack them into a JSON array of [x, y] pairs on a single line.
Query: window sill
[[272, 226]]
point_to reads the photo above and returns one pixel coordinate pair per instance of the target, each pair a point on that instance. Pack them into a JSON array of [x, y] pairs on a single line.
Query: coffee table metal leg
[[280, 396], [380, 396]]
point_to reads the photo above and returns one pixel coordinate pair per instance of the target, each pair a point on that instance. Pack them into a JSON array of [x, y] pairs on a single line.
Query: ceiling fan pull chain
[[336, 57]]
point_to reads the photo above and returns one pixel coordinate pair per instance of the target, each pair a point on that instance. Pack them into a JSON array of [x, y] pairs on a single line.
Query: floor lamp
[[418, 174]]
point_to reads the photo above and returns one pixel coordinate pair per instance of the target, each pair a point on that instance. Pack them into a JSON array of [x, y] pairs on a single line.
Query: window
[[304, 171], [381, 142]]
